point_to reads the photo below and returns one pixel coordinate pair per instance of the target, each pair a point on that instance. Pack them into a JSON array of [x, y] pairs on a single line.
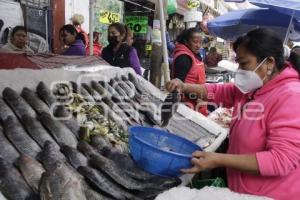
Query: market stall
[[56, 123]]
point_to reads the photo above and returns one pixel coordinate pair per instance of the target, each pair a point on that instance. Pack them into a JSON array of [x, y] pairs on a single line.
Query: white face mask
[[248, 81]]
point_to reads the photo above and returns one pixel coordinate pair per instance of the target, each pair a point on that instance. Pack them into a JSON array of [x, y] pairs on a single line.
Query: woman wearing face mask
[[17, 42], [188, 66], [74, 41], [118, 52], [263, 157]]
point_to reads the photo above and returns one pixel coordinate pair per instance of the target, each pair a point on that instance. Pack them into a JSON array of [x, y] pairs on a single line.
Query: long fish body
[[5, 111], [18, 136], [17, 103], [45, 94], [34, 101], [7, 150], [12, 185], [36, 130], [59, 131], [74, 157], [60, 183], [104, 184], [31, 170]]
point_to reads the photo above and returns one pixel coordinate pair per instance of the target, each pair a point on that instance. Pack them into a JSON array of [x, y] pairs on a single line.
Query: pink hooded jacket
[[266, 123]]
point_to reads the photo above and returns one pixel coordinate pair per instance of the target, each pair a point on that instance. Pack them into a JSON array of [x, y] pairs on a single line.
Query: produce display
[[70, 142]]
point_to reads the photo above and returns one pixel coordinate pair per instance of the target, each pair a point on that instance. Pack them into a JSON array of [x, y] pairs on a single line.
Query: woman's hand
[[202, 161], [175, 84]]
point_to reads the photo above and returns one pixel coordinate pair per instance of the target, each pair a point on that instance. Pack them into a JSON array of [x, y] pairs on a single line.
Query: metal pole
[[289, 28], [91, 27], [47, 35], [165, 65]]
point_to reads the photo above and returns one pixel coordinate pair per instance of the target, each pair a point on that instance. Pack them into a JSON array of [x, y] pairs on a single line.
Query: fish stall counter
[[37, 114]]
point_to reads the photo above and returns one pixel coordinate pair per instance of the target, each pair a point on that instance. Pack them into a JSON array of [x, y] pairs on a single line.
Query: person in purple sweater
[[118, 52], [74, 41]]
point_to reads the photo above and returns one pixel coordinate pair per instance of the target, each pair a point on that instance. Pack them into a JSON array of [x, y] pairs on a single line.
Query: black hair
[[18, 28], [72, 30], [186, 35], [120, 28], [265, 43], [295, 58], [213, 50]]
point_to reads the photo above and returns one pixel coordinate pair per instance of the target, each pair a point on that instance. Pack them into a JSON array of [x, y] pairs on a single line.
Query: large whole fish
[[91, 194], [60, 183], [7, 150], [18, 136], [5, 111], [104, 184], [99, 142], [82, 92], [86, 149], [12, 185], [36, 130], [62, 112], [114, 113], [34, 101], [50, 155], [17, 103], [122, 159], [59, 131], [31, 170], [118, 174], [74, 157], [125, 162], [45, 94]]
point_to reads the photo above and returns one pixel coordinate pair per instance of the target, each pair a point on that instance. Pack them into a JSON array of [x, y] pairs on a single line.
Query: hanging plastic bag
[[172, 7]]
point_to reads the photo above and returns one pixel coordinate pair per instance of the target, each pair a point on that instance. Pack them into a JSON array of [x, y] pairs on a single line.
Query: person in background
[[77, 21], [204, 49], [74, 41], [97, 47], [130, 37], [263, 157], [118, 52], [171, 47], [17, 42], [187, 65], [212, 58]]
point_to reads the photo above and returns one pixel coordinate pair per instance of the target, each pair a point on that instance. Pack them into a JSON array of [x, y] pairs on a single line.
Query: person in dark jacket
[[187, 65], [72, 39], [118, 52]]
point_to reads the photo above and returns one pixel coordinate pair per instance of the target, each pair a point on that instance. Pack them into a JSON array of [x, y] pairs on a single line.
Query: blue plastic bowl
[[159, 152]]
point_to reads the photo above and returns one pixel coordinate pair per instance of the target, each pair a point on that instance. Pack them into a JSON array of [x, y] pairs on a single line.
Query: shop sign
[[193, 4], [107, 17], [138, 24]]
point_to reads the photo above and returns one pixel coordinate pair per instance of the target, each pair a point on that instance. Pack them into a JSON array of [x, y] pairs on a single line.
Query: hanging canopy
[[236, 23], [289, 7]]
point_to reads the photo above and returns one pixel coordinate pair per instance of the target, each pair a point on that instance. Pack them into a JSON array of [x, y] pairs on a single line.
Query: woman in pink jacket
[[263, 157]]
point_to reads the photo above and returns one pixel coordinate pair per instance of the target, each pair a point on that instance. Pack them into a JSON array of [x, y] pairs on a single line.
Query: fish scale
[[12, 185], [18, 136], [59, 131], [118, 174], [60, 183], [5, 111], [36, 130], [34, 101], [31, 170], [17, 103], [104, 184], [7, 150]]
